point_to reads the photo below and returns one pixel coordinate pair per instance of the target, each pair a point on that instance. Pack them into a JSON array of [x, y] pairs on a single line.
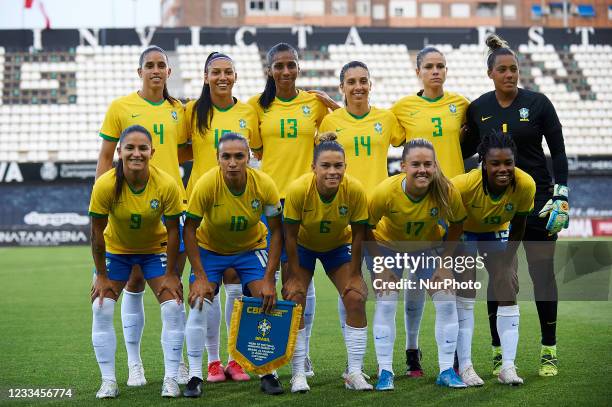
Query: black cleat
[[194, 387], [271, 385], [413, 363]]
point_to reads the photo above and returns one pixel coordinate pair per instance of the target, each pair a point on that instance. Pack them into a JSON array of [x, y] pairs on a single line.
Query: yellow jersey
[[164, 121], [231, 223], [325, 225], [439, 121], [239, 118], [397, 218], [366, 141], [134, 223], [493, 214], [287, 130]]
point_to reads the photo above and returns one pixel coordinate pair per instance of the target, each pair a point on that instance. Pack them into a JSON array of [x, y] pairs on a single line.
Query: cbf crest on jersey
[[524, 113], [378, 127], [242, 123], [154, 204], [306, 110], [343, 210], [434, 212], [509, 207], [452, 108], [255, 204], [174, 116]]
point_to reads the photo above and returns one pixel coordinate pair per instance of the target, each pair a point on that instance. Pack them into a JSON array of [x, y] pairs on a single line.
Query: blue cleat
[[385, 381], [450, 378]]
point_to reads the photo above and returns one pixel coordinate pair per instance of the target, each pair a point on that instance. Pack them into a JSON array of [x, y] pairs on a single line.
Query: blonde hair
[[440, 187]]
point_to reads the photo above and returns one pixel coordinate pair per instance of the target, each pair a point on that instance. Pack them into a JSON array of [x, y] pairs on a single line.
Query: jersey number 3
[[437, 126]]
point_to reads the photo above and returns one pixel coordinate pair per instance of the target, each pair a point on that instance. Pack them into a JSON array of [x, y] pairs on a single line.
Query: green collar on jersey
[[408, 196], [226, 109], [289, 99], [151, 102], [326, 201], [137, 191], [359, 117], [430, 99]]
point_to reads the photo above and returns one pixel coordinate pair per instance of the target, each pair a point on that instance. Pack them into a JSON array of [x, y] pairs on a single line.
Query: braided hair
[[494, 139]]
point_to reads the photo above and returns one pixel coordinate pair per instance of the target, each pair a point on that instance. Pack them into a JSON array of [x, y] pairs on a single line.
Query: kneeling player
[[497, 197], [324, 213], [127, 205], [223, 230]]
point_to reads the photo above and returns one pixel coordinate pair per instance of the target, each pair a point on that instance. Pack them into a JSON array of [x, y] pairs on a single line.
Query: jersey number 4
[[158, 129]]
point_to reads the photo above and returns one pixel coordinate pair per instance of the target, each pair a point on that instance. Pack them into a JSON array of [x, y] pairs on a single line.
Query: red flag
[[28, 3], [44, 13]]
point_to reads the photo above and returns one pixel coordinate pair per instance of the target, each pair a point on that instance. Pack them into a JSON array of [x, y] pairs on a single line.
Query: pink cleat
[[215, 372], [235, 372]]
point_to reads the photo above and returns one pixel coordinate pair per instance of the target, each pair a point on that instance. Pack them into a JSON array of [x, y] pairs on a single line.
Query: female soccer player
[[288, 123], [153, 108], [127, 204], [498, 197], [527, 116], [411, 206], [223, 230], [437, 116], [325, 217], [214, 114]]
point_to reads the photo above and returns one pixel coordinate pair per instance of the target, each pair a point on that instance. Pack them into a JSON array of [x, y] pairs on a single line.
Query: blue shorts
[[119, 266], [181, 226], [424, 272], [250, 266], [492, 242], [264, 219], [331, 259]]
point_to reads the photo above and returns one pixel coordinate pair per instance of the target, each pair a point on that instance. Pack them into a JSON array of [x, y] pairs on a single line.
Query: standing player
[[127, 204], [498, 197], [436, 116], [288, 123], [162, 115], [325, 217], [215, 113], [527, 116], [408, 207], [223, 230]]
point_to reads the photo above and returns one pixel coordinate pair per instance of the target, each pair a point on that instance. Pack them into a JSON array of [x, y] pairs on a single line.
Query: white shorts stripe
[[261, 258]]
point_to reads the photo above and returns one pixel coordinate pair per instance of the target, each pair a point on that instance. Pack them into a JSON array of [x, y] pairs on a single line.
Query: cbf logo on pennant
[[262, 342]]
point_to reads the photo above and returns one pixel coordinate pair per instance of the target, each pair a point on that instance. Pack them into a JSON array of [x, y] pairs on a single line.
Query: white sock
[[133, 322], [195, 335], [309, 313], [213, 327], [184, 321], [172, 336], [103, 337], [232, 292], [465, 316], [447, 328], [356, 340], [508, 329], [414, 304], [342, 317], [384, 330], [299, 354]]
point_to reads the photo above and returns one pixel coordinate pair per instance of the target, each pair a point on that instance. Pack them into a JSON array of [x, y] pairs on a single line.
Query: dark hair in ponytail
[[202, 110], [155, 48], [269, 93], [346, 67], [232, 137], [494, 139], [119, 175], [327, 142], [497, 46]]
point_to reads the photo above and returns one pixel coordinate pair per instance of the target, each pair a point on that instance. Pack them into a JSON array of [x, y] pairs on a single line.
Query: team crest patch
[[154, 204], [452, 108], [306, 110], [524, 113], [509, 207], [434, 212], [264, 327], [174, 115], [242, 123], [343, 210], [255, 204], [378, 127]]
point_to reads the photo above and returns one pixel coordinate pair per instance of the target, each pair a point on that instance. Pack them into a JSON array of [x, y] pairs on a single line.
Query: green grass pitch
[[45, 342]]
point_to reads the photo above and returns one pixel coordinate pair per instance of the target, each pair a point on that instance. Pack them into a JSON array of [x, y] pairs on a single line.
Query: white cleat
[[308, 367], [299, 384], [108, 390], [356, 381], [183, 374], [470, 378], [345, 374], [170, 388], [509, 376], [136, 376]]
